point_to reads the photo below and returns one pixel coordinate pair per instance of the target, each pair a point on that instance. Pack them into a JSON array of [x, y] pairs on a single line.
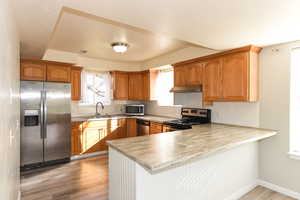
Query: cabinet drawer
[[155, 128]]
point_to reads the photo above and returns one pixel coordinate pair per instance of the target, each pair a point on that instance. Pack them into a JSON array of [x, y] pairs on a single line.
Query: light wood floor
[[87, 179]]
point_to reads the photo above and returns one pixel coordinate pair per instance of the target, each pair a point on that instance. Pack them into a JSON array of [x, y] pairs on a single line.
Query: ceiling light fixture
[[120, 47]]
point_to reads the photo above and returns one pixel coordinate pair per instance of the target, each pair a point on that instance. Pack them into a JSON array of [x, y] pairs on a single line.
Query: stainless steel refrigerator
[[45, 123]]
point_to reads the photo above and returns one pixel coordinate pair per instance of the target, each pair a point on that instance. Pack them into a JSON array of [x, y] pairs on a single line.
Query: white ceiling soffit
[[77, 31], [212, 23]]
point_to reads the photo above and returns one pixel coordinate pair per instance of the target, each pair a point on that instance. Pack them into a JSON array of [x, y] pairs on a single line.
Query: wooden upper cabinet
[[235, 77], [149, 85], [33, 70], [136, 86], [194, 74], [58, 73], [120, 85], [76, 83], [232, 77], [180, 76], [226, 76], [188, 75], [212, 80]]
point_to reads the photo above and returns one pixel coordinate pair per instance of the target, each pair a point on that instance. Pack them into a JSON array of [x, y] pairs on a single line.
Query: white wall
[[275, 165], [177, 56], [237, 113], [92, 64], [9, 104]]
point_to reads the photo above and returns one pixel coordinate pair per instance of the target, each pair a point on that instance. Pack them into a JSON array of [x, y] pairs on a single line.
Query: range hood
[[186, 89]]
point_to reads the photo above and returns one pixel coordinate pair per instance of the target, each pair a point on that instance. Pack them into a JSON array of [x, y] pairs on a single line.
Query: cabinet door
[[76, 83], [136, 86], [194, 74], [120, 85], [131, 127], [212, 80], [76, 138], [31, 71], [155, 128], [91, 139], [167, 128], [235, 77], [146, 86], [180, 74], [56, 73]]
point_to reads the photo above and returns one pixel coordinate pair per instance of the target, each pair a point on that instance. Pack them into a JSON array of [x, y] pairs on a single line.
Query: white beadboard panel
[[122, 183], [216, 177]]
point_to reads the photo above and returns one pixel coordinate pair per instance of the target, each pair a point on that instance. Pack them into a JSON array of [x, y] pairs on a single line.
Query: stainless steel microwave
[[134, 110]]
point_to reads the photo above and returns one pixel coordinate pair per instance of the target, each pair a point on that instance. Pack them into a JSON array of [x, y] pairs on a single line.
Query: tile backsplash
[[116, 107]]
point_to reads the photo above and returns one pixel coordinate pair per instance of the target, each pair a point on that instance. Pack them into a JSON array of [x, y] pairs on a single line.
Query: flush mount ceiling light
[[120, 47]]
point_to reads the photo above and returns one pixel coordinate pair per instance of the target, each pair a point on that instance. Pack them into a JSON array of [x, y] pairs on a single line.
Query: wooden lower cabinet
[[76, 138], [156, 128], [131, 127], [91, 136], [167, 128]]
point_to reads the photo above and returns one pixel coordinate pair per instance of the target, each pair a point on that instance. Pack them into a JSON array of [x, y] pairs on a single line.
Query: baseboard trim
[[88, 155], [238, 194], [279, 189]]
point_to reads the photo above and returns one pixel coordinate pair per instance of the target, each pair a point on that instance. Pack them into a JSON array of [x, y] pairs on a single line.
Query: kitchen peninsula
[[209, 162]]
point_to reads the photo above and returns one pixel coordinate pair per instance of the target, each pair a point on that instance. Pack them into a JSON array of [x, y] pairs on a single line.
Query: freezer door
[[57, 121], [31, 122]]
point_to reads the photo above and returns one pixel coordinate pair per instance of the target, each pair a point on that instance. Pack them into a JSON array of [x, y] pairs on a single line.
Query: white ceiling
[[212, 23], [77, 31]]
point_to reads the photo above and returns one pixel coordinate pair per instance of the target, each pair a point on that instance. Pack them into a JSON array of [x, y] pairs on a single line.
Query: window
[[96, 86], [166, 80], [295, 102]]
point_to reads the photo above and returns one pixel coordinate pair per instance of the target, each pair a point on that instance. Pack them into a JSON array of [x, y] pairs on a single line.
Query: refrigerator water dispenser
[[31, 117]]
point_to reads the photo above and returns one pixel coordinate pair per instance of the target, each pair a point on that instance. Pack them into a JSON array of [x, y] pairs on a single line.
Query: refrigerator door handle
[[42, 114], [45, 114]]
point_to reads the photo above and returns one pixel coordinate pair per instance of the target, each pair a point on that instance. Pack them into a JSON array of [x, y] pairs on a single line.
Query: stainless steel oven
[[134, 109]]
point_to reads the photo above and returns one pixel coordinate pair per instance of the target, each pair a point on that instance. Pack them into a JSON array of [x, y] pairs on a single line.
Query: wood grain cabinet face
[[194, 74], [76, 83], [76, 139], [167, 128], [31, 71], [180, 74], [136, 86], [131, 127], [156, 128], [235, 77], [120, 85], [56, 73], [212, 80]]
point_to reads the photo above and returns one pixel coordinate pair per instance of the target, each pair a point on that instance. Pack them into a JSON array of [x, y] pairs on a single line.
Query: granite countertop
[[163, 151], [153, 118]]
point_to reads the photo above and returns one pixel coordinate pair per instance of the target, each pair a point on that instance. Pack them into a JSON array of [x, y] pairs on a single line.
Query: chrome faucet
[[97, 110]]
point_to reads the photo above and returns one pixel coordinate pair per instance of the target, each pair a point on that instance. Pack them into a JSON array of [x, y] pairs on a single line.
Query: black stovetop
[[189, 119]]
